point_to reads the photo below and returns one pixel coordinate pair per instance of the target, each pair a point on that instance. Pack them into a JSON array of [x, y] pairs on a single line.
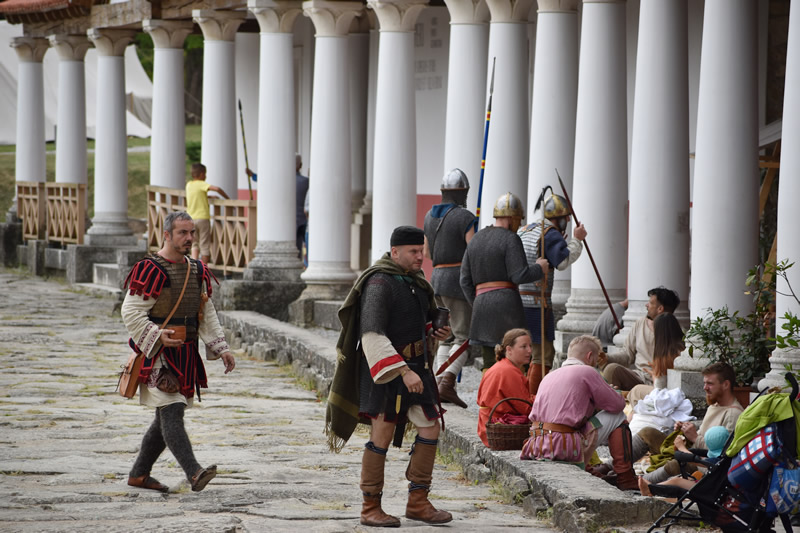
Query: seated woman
[[668, 345], [506, 380]]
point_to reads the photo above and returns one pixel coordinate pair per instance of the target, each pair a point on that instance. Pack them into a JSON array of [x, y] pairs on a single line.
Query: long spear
[[589, 252], [485, 140], [244, 145]]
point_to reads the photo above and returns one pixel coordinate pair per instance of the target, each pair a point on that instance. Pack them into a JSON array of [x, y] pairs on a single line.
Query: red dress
[[502, 380]]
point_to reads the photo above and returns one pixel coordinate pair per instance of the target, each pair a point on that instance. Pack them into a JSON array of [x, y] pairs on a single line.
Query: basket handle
[[506, 400]]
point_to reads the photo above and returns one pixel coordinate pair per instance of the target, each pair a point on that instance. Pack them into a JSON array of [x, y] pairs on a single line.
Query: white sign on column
[[219, 96]]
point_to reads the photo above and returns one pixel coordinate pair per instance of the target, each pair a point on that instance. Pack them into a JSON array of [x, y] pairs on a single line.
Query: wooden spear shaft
[[589, 252]]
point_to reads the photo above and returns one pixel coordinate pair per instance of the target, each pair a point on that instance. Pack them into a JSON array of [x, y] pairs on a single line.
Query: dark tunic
[[495, 254], [445, 228], [395, 307]]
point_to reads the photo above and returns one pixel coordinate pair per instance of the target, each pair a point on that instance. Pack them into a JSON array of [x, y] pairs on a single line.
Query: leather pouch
[[167, 381], [179, 333]]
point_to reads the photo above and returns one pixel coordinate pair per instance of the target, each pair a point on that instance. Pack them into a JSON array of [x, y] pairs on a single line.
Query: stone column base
[[584, 307], [270, 298], [778, 361], [301, 311], [274, 261]]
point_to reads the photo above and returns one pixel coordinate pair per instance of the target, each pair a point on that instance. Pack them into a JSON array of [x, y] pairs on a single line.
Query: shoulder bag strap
[[180, 297]]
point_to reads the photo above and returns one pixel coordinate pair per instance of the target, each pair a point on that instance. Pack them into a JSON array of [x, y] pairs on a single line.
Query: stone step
[[106, 274]]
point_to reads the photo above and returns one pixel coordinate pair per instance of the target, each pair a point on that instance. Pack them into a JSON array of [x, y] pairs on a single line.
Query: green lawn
[[138, 174]]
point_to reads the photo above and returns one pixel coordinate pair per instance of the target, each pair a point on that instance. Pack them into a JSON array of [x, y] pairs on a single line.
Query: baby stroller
[[714, 500]]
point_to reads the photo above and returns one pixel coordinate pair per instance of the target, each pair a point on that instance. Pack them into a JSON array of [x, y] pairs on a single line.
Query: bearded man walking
[[165, 311]]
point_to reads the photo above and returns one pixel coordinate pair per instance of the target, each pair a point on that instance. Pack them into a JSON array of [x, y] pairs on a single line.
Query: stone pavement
[[67, 439]]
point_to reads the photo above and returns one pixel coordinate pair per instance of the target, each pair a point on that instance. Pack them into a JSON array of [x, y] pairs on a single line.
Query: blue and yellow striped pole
[[485, 140]]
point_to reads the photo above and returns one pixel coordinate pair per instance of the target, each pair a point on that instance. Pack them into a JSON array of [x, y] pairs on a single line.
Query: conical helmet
[[556, 206], [455, 180], [509, 205]]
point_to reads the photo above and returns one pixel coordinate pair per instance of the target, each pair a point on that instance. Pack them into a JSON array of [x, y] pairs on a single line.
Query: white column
[[466, 92], [555, 95], [168, 130], [788, 193], [725, 199], [220, 112], [329, 273], [658, 233], [30, 150], [600, 172], [71, 123], [110, 222], [394, 190], [507, 150], [359, 93], [275, 256]]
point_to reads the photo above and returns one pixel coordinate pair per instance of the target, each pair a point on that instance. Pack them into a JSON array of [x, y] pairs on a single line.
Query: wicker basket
[[507, 436]]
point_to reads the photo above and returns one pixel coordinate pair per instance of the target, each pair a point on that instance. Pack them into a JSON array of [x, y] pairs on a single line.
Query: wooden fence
[[233, 226], [66, 212], [55, 212]]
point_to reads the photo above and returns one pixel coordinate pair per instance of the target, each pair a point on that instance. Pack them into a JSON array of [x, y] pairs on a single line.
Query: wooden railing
[[30, 209], [66, 212], [55, 212], [233, 226]]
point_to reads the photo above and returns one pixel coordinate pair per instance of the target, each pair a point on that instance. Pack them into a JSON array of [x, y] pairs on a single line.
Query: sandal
[[202, 477], [147, 482]]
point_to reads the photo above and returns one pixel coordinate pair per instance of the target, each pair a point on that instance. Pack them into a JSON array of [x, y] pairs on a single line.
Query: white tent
[[138, 87]]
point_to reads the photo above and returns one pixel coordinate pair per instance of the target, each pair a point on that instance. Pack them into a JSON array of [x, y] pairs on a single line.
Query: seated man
[[633, 366], [723, 410], [576, 410]]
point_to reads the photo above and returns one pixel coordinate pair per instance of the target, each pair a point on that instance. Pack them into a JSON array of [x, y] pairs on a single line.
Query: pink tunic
[[570, 396], [502, 380]]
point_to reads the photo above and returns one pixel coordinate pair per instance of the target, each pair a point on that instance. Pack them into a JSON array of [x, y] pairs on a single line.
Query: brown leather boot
[[535, 377], [372, 465], [619, 444], [420, 508], [419, 474], [447, 390]]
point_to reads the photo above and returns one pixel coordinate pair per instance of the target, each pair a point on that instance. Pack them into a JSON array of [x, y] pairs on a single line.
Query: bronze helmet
[[556, 206], [509, 205]]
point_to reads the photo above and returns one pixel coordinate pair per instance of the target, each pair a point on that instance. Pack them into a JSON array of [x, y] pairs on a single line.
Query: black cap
[[407, 235]]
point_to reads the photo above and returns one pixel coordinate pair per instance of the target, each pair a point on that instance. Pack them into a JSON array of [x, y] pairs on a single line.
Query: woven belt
[[543, 428], [409, 351], [447, 265], [481, 288]]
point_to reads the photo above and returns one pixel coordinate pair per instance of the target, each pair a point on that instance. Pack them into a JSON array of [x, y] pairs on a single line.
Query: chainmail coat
[[445, 227], [396, 308], [495, 254]]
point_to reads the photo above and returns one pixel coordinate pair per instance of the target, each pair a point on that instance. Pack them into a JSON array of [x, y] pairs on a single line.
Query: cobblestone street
[[68, 440]]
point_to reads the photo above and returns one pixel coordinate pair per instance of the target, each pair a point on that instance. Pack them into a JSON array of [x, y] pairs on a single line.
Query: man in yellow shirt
[[197, 207]]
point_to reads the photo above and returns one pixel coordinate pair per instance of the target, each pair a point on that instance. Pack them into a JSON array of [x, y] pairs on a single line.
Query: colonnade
[[363, 141]]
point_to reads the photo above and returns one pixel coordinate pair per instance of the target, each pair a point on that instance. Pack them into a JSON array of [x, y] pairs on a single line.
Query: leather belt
[[544, 428], [447, 265], [481, 288], [537, 297], [414, 349]]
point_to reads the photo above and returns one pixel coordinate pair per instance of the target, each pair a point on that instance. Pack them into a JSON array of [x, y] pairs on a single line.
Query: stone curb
[[579, 501]]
